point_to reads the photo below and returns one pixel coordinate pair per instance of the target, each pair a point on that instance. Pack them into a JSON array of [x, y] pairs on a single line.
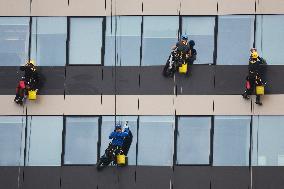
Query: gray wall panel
[[75, 177], [268, 177], [199, 81], [10, 76], [197, 177], [83, 80], [230, 177], [127, 80], [108, 81], [153, 82], [230, 79], [41, 177], [11, 177], [52, 80], [153, 177]]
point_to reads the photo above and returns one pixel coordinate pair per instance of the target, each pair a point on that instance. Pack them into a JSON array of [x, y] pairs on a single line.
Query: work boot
[[245, 96], [259, 103]]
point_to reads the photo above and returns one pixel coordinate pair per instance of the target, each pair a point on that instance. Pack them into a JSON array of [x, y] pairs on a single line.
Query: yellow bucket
[[120, 159], [32, 95], [182, 69], [260, 90]]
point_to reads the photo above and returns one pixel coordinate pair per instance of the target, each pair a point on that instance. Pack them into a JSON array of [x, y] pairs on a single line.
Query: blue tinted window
[[268, 141], [231, 140], [49, 35], [14, 40], [81, 140], [85, 43], [201, 30], [12, 140], [269, 40], [44, 141], [123, 37], [160, 34], [235, 38], [156, 140], [193, 141]]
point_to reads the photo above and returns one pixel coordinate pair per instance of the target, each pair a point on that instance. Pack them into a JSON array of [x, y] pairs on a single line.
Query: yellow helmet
[[31, 62], [254, 54]]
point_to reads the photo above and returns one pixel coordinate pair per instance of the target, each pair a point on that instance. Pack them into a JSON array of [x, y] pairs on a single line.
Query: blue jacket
[[117, 137]]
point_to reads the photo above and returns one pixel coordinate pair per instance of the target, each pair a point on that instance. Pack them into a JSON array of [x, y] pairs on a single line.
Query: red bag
[[247, 85]]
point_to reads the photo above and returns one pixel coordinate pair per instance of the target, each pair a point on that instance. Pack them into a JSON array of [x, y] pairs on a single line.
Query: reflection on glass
[[160, 33], [81, 140], [268, 141], [44, 140], [235, 38], [14, 40], [12, 140], [231, 141], [123, 37], [156, 140], [201, 30], [85, 43], [193, 141], [269, 40], [49, 35]]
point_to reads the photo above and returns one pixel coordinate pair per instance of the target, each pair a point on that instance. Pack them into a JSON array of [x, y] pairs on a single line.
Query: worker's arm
[[112, 135], [125, 133]]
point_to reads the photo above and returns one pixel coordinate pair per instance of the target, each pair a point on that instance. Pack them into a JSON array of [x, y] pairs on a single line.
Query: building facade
[[101, 62]]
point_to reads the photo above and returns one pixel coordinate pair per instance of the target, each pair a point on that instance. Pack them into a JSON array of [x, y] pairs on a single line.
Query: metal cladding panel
[[127, 80], [11, 177], [268, 177]]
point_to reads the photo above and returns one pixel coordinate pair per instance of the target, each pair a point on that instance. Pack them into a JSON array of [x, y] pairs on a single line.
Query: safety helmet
[[118, 126], [31, 62], [184, 37], [254, 54]]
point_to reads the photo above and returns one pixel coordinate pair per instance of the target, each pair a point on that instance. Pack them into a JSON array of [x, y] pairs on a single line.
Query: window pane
[[231, 140], [85, 40], [201, 30], [126, 30], [160, 33], [44, 140], [268, 140], [193, 142], [49, 35], [12, 140], [81, 140], [14, 40], [235, 38], [269, 40], [108, 123], [156, 140]]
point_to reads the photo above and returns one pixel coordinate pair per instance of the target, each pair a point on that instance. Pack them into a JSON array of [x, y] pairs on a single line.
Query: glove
[[126, 125]]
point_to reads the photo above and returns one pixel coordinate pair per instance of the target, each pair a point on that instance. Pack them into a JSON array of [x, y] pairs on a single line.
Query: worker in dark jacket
[[118, 136], [31, 75]]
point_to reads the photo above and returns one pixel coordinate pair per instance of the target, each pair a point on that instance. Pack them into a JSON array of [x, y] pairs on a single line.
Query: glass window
[[269, 40], [108, 123], [193, 141], [231, 140], [12, 140], [156, 140], [81, 140], [14, 40], [268, 141], [160, 34], [44, 140], [49, 35], [201, 30], [126, 30], [235, 38], [85, 43]]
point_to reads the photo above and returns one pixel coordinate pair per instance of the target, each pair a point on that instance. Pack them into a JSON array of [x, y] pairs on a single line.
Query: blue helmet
[[184, 37], [118, 126]]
